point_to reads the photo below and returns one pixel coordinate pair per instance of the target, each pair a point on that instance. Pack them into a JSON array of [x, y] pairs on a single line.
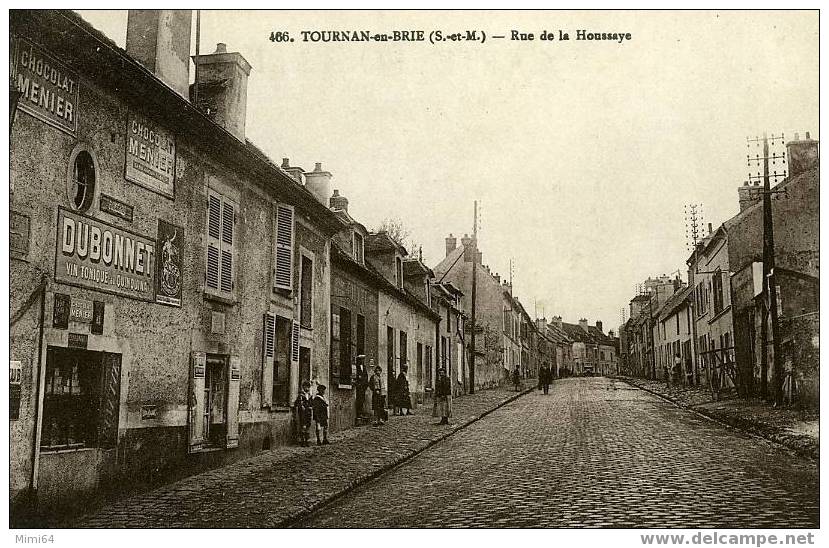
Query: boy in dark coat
[[320, 406], [304, 412], [443, 397]]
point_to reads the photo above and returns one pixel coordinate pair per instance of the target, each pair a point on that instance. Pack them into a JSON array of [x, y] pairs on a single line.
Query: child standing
[[303, 410], [320, 405]]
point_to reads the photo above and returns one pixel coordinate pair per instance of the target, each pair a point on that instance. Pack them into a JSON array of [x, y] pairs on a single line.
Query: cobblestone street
[[595, 452]]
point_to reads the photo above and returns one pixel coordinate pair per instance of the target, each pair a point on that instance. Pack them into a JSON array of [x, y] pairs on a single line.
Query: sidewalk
[[787, 426], [278, 487]]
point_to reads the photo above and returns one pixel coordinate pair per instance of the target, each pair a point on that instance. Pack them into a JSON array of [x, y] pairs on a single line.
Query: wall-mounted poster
[[93, 254], [151, 155], [48, 91], [169, 244]]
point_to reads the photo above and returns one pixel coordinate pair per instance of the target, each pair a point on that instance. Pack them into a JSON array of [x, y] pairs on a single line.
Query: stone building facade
[[169, 284]]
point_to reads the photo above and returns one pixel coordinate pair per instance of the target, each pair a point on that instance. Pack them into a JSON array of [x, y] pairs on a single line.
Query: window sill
[[218, 298], [345, 386], [306, 327], [64, 449], [719, 314]]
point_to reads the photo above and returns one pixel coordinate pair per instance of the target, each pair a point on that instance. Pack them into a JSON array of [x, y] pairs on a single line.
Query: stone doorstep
[[288, 453], [802, 444]]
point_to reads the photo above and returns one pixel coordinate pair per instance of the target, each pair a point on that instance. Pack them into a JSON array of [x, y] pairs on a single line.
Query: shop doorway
[[215, 393]]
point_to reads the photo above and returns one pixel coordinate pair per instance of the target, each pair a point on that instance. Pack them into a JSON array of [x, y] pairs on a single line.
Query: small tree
[[395, 228]]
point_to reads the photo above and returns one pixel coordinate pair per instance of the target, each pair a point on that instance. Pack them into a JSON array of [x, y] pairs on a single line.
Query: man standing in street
[[544, 375], [378, 404]]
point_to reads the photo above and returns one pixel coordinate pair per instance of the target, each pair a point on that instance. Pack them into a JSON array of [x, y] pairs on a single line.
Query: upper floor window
[[358, 247], [718, 291], [221, 244], [81, 184], [399, 271], [284, 253], [306, 291]]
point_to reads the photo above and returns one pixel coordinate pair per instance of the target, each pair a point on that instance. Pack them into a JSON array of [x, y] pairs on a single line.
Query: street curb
[[744, 426], [296, 519]]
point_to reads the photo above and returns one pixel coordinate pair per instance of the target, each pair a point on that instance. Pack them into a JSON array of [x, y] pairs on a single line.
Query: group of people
[[310, 408], [314, 409]]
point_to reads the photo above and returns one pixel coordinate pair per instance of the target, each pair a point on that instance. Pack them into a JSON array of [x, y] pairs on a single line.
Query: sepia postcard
[[382, 269]]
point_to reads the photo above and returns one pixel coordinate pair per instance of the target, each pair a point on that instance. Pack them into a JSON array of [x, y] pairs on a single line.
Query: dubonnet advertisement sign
[[99, 256]]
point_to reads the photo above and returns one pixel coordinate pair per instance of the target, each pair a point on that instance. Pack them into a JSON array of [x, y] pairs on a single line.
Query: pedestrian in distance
[[303, 412], [378, 404], [516, 378], [544, 378], [319, 404], [443, 397], [361, 384], [404, 396], [676, 374]]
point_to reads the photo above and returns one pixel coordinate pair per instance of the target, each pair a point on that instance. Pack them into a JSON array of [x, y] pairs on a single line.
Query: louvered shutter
[[234, 375], [268, 338], [284, 252], [214, 246], [295, 341], [195, 415], [228, 246]]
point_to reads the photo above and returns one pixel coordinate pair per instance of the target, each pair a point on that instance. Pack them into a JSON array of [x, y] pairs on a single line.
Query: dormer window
[[358, 248], [398, 270]]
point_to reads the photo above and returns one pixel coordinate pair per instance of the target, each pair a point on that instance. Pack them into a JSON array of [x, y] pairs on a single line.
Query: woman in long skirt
[[443, 397]]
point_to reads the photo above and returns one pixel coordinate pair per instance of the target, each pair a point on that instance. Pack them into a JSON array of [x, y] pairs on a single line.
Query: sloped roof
[[674, 302]]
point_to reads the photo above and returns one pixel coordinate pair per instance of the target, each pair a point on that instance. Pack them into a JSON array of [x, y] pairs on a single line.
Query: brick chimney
[[338, 202], [556, 321], [160, 40], [599, 325], [294, 171], [583, 324], [223, 88], [466, 242], [802, 155], [451, 244], [749, 194], [318, 182]]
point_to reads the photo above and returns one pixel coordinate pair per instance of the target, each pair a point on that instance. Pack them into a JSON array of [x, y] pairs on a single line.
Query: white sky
[[582, 154]]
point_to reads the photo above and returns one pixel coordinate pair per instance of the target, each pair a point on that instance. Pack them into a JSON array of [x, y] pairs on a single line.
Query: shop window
[[82, 179], [345, 346], [81, 399]]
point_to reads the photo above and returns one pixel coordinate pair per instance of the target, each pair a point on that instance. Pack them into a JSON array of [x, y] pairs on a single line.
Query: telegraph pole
[[769, 281], [693, 224], [474, 296]]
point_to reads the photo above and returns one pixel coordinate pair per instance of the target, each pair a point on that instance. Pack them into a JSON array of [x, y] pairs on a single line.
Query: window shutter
[[198, 364], [234, 374], [295, 341], [228, 247], [284, 252], [268, 340], [214, 212]]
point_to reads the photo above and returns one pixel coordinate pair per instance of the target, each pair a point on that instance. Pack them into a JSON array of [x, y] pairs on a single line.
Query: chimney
[[748, 195], [294, 172], [223, 88], [451, 244], [541, 324], [466, 242], [556, 321], [710, 230], [802, 155], [160, 40], [611, 334], [497, 278], [599, 325], [318, 182], [480, 256], [338, 202], [583, 324]]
